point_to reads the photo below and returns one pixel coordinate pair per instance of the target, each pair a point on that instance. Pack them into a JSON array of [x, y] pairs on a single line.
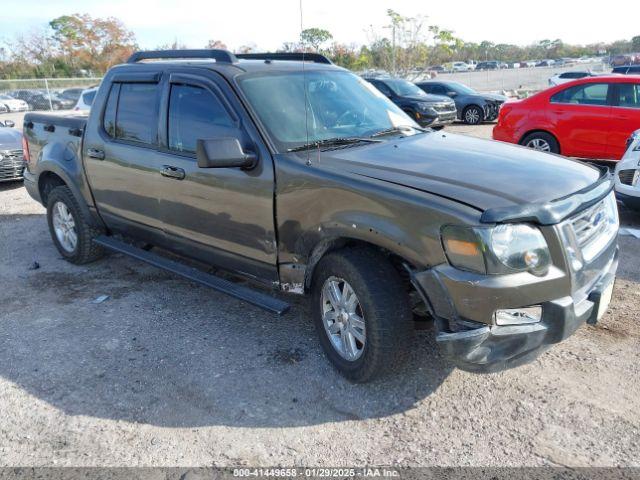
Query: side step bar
[[258, 299]]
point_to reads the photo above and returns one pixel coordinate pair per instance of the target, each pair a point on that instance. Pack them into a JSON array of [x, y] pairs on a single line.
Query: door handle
[[172, 172], [95, 153]]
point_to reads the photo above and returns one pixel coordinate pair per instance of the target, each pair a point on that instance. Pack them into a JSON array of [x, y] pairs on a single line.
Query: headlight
[[425, 107], [507, 248]]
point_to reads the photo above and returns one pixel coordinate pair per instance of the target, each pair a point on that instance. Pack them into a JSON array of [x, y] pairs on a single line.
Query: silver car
[[11, 158]]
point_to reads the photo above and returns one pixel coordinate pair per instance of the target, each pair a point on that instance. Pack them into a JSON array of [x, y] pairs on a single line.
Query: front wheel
[[473, 115], [361, 313], [71, 233]]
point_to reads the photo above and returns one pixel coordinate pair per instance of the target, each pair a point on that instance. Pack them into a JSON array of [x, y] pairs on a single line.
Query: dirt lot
[[165, 372]]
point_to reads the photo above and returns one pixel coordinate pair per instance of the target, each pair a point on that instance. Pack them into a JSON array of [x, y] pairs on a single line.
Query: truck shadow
[[163, 351]]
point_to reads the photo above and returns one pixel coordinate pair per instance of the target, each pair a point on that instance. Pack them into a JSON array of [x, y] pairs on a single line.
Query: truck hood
[[483, 174], [10, 139]]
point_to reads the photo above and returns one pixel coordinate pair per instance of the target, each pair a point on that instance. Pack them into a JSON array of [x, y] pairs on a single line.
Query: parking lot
[[165, 372]]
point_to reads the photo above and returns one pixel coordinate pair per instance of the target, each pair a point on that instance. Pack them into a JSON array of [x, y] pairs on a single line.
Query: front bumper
[[11, 168], [463, 304], [442, 119]]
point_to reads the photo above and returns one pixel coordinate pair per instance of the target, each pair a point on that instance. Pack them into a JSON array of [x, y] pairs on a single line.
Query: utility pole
[[393, 48]]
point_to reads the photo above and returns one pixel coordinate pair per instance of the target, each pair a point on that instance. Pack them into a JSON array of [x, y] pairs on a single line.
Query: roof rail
[[218, 55], [291, 56]]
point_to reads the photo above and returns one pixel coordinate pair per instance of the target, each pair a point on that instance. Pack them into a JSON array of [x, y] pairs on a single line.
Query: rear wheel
[[472, 115], [541, 141], [361, 313], [71, 233]]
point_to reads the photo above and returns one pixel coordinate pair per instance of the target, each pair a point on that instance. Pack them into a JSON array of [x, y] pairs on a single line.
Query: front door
[[224, 216]]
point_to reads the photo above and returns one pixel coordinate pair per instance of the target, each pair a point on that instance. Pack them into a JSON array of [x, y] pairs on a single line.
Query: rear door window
[[137, 115], [587, 94], [629, 95]]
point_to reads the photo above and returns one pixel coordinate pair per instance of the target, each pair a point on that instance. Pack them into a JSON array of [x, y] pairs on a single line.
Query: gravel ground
[[167, 373]]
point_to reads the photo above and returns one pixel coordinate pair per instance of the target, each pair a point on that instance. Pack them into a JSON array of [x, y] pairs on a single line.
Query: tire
[[473, 115], [545, 141], [382, 305], [83, 250]]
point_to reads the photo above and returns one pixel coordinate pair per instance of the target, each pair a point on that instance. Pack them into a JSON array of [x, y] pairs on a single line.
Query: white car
[[560, 78], [85, 100], [627, 175], [13, 104], [460, 67]]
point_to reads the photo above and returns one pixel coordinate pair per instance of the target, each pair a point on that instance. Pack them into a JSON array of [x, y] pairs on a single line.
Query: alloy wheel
[[65, 227], [343, 318], [539, 144]]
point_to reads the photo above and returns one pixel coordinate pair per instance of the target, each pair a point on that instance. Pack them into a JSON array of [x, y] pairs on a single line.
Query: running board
[[256, 298]]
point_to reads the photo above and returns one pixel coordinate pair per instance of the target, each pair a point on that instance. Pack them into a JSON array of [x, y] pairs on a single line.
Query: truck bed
[[43, 129]]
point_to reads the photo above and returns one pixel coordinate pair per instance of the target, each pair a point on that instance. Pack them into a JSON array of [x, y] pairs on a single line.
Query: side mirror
[[224, 152], [9, 123]]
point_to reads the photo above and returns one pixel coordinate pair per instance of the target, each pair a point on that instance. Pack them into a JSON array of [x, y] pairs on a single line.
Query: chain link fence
[[42, 94]]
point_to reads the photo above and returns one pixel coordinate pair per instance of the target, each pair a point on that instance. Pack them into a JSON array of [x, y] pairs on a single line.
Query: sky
[[267, 24]]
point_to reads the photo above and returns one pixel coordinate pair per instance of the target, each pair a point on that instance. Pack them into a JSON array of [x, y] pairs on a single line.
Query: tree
[[94, 43], [216, 44], [313, 38], [635, 43]]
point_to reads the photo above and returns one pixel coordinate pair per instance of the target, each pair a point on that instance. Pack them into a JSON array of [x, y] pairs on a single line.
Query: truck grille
[[628, 177], [11, 164], [595, 227]]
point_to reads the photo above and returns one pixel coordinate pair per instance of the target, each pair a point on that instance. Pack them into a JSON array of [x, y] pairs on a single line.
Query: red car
[[587, 118]]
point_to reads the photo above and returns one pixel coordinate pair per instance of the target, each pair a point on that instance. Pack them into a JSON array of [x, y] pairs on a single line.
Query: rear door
[[580, 117], [625, 118], [121, 155], [223, 216]]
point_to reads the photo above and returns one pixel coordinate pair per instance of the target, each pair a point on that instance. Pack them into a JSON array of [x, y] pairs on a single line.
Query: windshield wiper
[[333, 142], [398, 129]]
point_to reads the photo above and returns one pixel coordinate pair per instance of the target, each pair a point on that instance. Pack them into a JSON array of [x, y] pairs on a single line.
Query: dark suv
[[300, 176], [427, 110]]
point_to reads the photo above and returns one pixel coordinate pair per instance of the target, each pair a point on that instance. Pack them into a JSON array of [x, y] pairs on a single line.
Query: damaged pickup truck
[[299, 175]]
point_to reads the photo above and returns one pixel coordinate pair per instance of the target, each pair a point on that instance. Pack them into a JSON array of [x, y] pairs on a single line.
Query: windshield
[[339, 105], [5, 97], [460, 88], [403, 88]]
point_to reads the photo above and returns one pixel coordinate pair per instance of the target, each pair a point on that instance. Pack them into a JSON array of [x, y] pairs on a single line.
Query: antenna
[[304, 85]]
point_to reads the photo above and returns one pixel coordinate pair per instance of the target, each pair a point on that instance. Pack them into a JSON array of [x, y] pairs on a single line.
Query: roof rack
[[223, 56], [291, 56]]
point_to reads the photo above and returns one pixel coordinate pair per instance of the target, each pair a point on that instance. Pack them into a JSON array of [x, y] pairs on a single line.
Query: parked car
[[560, 78], [528, 64], [460, 67], [472, 107], [622, 60], [305, 178], [11, 159], [41, 100], [72, 94], [427, 110], [545, 63], [588, 118], [627, 175], [627, 70], [13, 104], [488, 65], [85, 100]]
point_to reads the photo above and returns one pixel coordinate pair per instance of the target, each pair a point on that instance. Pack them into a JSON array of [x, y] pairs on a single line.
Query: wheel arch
[[52, 176]]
